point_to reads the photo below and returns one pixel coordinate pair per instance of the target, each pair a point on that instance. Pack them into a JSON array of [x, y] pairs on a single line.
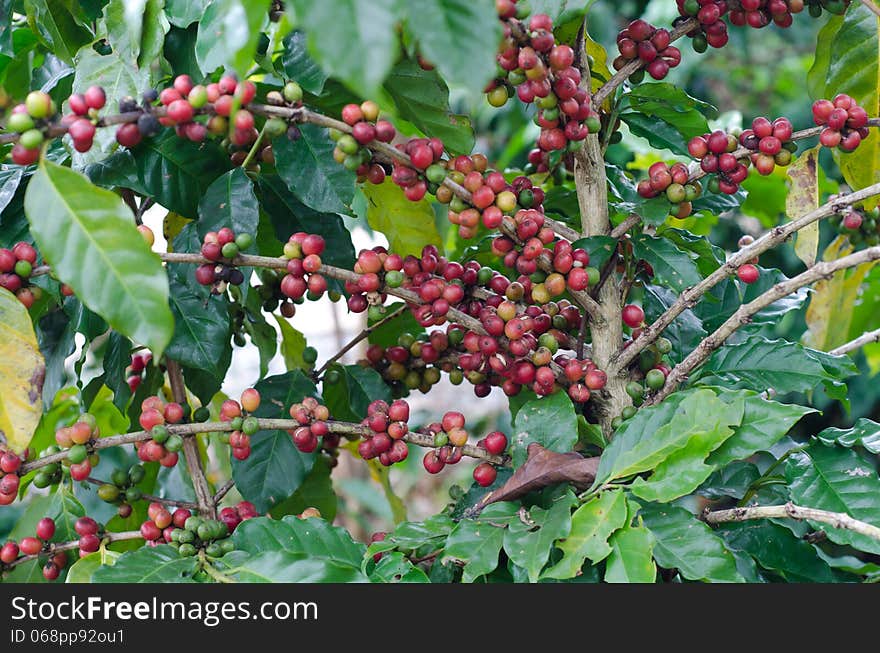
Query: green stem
[[212, 571], [254, 148]]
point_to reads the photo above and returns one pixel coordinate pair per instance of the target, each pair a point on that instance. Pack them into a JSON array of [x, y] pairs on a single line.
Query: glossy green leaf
[[837, 480], [89, 236], [673, 105], [387, 334], [293, 343], [764, 423], [422, 97], [316, 491], [136, 30], [338, 29], [313, 537], [276, 468], [307, 167], [299, 65], [409, 226], [160, 564], [731, 480], [477, 544], [458, 36], [396, 568], [117, 357], [864, 433], [672, 266], [550, 421], [182, 13], [82, 570], [591, 526], [287, 567], [683, 542], [529, 544], [431, 533], [57, 26], [630, 560], [228, 33], [348, 399], [659, 133], [784, 366], [655, 433], [686, 330], [229, 202]]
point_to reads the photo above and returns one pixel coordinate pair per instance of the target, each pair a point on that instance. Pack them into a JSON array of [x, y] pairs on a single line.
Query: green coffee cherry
[[108, 492], [292, 92], [136, 474], [77, 454]]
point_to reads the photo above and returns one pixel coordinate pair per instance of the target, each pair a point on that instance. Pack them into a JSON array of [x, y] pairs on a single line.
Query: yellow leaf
[[22, 371], [599, 67], [380, 474], [172, 225], [803, 197], [831, 307]]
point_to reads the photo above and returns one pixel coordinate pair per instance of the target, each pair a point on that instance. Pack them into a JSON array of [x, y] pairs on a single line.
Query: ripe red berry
[[85, 526], [495, 443], [128, 135], [8, 552], [51, 571], [23, 156], [432, 462], [485, 474], [183, 84], [95, 97], [748, 273], [30, 546], [46, 528], [352, 113], [633, 315]]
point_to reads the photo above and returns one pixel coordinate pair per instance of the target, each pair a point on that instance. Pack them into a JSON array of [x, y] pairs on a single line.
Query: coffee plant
[[593, 267]]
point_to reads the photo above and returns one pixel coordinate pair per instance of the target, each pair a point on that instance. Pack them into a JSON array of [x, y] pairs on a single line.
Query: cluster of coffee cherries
[[312, 418], [134, 373], [78, 439], [232, 516], [413, 363], [845, 122], [163, 446], [748, 272], [641, 40], [9, 480], [303, 253], [186, 532], [32, 546], [424, 154], [859, 225], [770, 143], [715, 153], [30, 120], [388, 428], [16, 266], [673, 181], [241, 422], [760, 13], [450, 436], [543, 72], [351, 150], [122, 489], [711, 30], [220, 247]]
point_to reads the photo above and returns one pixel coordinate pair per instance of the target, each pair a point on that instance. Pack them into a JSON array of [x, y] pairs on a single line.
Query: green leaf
[[591, 526], [732, 480], [550, 421], [299, 66], [307, 167], [348, 399], [686, 330], [160, 564], [477, 544], [764, 423], [229, 202], [630, 560], [784, 366], [56, 335], [659, 133], [430, 533], [777, 549], [286, 567], [173, 171], [655, 433], [672, 104], [293, 343], [600, 248], [672, 266], [683, 470], [396, 568], [228, 34], [409, 226], [837, 480], [276, 468], [459, 37], [529, 545], [117, 357], [6, 47], [683, 542], [313, 537], [183, 13], [387, 334], [82, 570], [422, 97], [316, 491], [864, 433], [136, 30], [89, 236], [55, 24], [337, 29]]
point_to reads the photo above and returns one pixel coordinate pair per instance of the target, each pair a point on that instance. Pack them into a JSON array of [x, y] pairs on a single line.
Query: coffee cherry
[[95, 97], [30, 546], [8, 552], [748, 273], [46, 528], [51, 571], [432, 462], [495, 443], [485, 474], [85, 526], [633, 316], [128, 135], [39, 104]]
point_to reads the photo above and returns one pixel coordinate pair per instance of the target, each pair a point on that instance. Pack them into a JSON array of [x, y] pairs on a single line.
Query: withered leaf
[[544, 467]]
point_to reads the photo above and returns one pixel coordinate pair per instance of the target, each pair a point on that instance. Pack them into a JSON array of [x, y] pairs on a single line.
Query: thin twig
[[631, 221], [870, 5], [354, 341], [790, 510], [152, 499], [223, 491], [55, 547], [864, 339], [744, 313]]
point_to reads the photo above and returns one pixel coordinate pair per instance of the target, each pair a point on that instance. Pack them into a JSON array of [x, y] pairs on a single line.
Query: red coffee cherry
[[748, 273], [633, 316], [46, 528], [485, 474]]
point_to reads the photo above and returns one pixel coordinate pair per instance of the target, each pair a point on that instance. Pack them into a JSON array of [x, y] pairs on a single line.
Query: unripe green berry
[[31, 139], [250, 425], [20, 123], [655, 379], [243, 241], [108, 492], [174, 443], [229, 250], [292, 92], [77, 454], [23, 268]]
